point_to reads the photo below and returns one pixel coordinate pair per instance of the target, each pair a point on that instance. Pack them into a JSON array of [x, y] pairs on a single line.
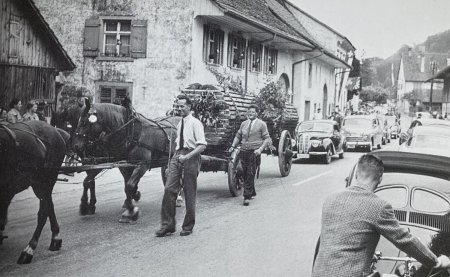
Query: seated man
[[352, 222]]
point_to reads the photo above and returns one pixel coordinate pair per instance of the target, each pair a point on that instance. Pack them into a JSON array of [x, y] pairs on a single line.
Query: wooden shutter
[[91, 37], [138, 38]]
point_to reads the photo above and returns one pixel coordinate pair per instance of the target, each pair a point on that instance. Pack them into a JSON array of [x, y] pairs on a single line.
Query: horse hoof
[[84, 209], [92, 209], [24, 258], [137, 196], [55, 245], [135, 214]]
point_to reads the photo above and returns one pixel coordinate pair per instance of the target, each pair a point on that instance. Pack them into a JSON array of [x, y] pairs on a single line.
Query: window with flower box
[[271, 60], [212, 44], [236, 51], [256, 58]]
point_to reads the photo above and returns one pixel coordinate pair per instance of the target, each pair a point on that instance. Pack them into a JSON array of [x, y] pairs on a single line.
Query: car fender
[[326, 143]]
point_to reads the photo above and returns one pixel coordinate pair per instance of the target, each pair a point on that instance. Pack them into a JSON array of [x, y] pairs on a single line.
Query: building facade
[[151, 50], [31, 56]]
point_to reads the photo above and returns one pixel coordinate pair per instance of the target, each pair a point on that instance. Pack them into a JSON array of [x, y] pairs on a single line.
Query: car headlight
[[315, 143], [365, 137]]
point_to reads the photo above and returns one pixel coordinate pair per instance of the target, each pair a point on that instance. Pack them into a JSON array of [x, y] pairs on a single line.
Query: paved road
[[274, 236]]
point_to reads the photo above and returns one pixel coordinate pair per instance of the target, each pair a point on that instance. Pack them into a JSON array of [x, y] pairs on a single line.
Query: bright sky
[[379, 27]]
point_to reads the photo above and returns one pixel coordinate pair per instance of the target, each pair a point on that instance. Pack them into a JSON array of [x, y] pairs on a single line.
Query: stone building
[[152, 49]]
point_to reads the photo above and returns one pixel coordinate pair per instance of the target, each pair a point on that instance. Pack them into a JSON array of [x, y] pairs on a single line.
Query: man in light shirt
[[185, 166]]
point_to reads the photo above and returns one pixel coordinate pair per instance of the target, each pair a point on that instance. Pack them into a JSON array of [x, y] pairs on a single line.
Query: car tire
[[341, 155], [327, 157]]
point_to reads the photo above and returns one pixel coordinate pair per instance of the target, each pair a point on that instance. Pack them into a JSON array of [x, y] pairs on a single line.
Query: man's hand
[[182, 158], [258, 152], [443, 262]]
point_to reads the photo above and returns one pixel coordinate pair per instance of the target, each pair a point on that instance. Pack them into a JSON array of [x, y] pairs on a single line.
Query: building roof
[[442, 73], [65, 60], [347, 42], [412, 65], [278, 17]]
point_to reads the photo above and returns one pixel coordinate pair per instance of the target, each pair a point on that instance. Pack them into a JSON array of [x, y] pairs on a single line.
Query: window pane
[[121, 93], [125, 26], [111, 26], [105, 95], [124, 48], [397, 196], [429, 202]]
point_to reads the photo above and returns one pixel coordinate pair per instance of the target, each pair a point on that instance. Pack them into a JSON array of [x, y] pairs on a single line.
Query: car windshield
[[365, 123], [430, 141], [315, 127]]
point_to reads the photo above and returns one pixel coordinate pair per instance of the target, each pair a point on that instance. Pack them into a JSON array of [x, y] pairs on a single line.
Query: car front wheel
[[327, 157]]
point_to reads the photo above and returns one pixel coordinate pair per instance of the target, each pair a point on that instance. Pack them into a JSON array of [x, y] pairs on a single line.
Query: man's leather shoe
[[185, 233], [164, 232], [246, 202]]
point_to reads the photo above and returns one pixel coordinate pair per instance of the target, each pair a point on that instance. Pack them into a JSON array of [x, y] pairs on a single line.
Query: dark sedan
[[319, 138]]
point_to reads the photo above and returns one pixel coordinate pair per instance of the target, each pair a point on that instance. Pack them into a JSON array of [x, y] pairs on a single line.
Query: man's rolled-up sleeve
[[389, 227], [199, 133], [264, 131]]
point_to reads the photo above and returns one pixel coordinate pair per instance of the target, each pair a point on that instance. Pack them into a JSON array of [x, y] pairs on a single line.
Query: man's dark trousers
[[191, 169], [249, 162]]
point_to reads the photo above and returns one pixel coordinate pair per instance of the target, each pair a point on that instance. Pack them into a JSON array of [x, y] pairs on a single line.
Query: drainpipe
[[300, 61], [246, 58]]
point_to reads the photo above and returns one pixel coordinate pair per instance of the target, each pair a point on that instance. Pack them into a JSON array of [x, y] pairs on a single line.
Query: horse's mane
[[111, 115]]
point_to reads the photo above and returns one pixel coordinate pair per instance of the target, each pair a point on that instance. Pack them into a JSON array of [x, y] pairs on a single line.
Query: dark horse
[[31, 155], [120, 134]]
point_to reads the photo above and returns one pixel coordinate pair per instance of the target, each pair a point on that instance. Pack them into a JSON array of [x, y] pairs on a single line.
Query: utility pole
[[433, 65]]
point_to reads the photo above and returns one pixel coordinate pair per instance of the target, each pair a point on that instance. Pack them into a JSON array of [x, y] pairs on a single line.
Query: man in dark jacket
[[352, 222]]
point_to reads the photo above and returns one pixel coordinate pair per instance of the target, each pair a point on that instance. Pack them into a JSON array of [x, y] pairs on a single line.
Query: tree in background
[[375, 94]]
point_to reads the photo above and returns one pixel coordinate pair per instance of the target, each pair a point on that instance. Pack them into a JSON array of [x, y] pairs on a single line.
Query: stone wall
[[157, 78]]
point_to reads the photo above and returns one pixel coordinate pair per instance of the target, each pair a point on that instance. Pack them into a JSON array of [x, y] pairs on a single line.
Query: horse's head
[[88, 129]]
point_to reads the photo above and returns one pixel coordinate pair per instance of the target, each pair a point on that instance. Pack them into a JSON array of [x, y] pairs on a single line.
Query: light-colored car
[[418, 188], [438, 123], [362, 131], [428, 140], [319, 138]]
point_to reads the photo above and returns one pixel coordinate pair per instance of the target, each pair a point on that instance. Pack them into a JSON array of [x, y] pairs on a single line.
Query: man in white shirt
[[184, 165]]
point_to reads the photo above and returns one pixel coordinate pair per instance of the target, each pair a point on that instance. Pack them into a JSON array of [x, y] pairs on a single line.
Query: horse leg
[[3, 218], [132, 212], [27, 254], [56, 242], [89, 184]]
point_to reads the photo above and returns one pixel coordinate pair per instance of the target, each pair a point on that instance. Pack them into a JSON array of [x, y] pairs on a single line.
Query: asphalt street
[[274, 236]]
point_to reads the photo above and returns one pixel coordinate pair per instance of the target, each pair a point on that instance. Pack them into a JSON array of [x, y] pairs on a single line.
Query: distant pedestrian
[[14, 113], [31, 111], [318, 115], [253, 137], [184, 166]]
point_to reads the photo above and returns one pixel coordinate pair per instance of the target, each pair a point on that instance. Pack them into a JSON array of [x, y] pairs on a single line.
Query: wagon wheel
[[235, 177], [285, 153]]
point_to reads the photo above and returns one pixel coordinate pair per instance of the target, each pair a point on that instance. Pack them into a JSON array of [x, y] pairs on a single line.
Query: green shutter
[[91, 37], [138, 38]]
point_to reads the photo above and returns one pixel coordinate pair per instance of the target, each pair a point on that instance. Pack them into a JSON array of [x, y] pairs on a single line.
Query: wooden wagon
[[222, 114]]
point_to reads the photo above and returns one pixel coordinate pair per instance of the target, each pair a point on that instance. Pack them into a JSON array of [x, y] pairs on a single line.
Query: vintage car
[[362, 131], [418, 188], [428, 140], [319, 138], [438, 123], [393, 123]]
